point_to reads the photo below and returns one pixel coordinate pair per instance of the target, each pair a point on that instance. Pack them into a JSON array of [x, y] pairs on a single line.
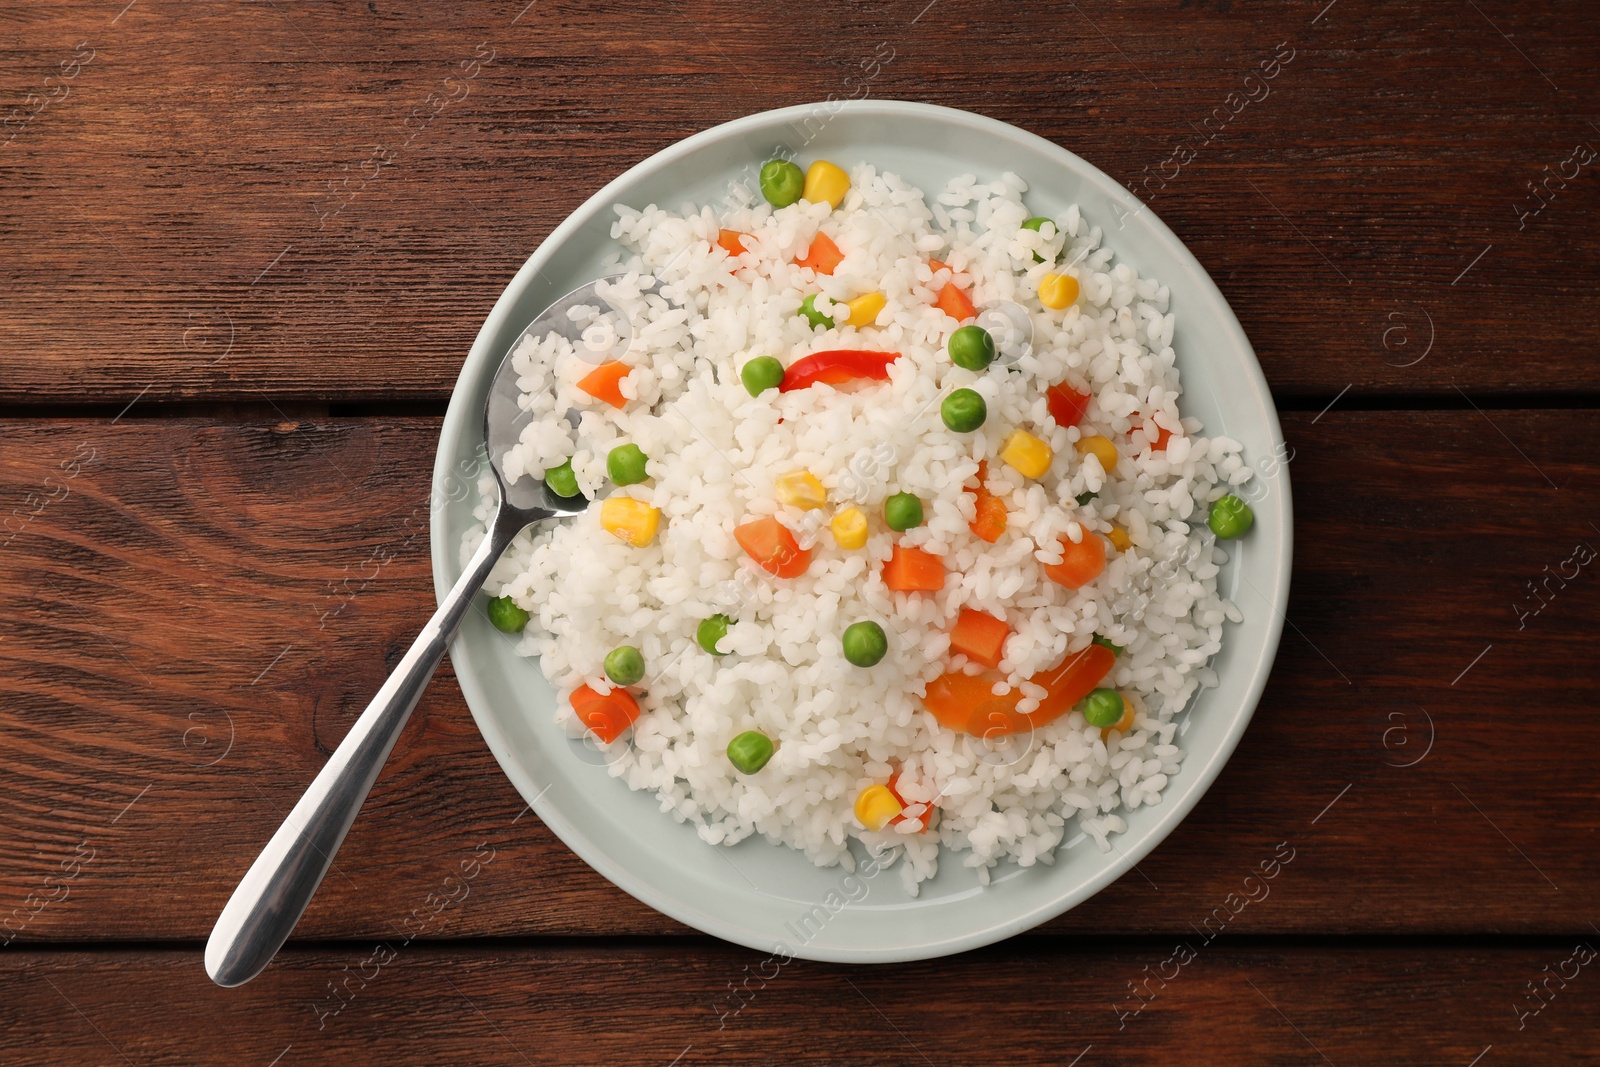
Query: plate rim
[[444, 559]]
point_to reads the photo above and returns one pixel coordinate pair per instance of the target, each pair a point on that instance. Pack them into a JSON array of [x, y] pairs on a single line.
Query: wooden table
[[246, 247]]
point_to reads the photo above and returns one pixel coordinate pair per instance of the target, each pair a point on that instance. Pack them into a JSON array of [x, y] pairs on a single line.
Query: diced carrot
[[1163, 435], [954, 302], [980, 637], [1140, 442], [822, 256], [731, 241], [601, 383], [913, 570], [990, 521], [1081, 563], [608, 715], [773, 547], [937, 265], [928, 809], [1067, 405]]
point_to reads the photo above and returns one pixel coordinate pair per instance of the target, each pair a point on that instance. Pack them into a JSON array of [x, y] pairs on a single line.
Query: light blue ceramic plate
[[765, 896]]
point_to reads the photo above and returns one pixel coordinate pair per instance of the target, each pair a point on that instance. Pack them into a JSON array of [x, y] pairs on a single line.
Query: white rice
[[715, 452]]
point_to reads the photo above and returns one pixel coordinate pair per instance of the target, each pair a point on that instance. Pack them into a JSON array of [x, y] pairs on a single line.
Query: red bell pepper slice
[[1067, 405], [837, 366]]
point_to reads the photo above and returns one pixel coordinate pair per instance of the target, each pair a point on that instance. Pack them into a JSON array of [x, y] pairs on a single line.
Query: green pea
[[1230, 518], [712, 630], [750, 751], [561, 481], [902, 511], [781, 182], [865, 644], [624, 665], [808, 311], [1034, 224], [971, 348], [506, 616], [625, 464], [964, 410], [1105, 642], [1103, 707], [761, 374], [1084, 498]]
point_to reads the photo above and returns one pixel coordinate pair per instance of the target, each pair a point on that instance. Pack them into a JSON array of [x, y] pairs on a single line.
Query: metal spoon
[[280, 884]]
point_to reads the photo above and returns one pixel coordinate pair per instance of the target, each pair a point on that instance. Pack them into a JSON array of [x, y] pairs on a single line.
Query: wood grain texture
[[653, 1006], [201, 611], [171, 233]]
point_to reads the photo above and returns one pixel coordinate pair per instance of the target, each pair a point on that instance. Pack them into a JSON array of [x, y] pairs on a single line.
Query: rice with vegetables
[[904, 537]]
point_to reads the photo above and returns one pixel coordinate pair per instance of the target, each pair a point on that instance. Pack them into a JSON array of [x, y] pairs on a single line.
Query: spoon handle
[[280, 884]]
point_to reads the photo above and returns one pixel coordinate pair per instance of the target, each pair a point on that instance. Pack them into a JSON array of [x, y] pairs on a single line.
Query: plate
[[767, 896]]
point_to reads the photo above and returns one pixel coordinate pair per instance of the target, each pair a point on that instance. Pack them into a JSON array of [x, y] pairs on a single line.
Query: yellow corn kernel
[[850, 528], [1119, 538], [875, 806], [1130, 712], [864, 309], [631, 520], [1056, 291], [1027, 454], [802, 490], [1103, 450], [824, 181]]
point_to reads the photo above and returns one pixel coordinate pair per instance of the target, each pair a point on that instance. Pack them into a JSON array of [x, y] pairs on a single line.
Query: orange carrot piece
[[1141, 442], [928, 809], [980, 637], [1081, 563], [823, 255], [990, 521], [913, 570], [773, 547], [601, 383], [608, 715], [731, 241], [937, 265], [954, 302]]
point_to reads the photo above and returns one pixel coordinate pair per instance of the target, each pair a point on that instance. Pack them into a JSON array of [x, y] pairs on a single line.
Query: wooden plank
[[193, 220], [699, 1002], [198, 614]]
